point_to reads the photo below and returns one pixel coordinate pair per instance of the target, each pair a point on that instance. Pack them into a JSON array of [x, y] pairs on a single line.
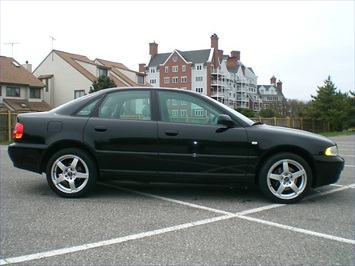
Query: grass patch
[[338, 133]]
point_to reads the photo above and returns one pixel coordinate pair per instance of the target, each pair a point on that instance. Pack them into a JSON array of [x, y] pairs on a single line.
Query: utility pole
[[12, 47]]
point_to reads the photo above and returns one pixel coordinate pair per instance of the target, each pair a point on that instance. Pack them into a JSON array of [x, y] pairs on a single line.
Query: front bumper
[[327, 170]]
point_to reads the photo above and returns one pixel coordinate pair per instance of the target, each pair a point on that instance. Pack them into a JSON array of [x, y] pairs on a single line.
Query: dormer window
[[102, 72]]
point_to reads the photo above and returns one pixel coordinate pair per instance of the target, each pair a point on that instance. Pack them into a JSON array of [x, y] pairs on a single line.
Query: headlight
[[331, 151]]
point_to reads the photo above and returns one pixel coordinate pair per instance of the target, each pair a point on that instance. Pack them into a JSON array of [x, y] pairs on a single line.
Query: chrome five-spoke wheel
[[285, 178], [71, 173]]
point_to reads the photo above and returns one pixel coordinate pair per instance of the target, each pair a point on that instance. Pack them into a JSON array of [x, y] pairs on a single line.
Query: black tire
[[285, 178], [71, 173]]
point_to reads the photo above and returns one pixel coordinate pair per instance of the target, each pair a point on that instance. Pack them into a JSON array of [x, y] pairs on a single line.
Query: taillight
[[18, 131]]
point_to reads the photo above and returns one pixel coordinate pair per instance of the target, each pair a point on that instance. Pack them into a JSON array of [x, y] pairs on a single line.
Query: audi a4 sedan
[[168, 135]]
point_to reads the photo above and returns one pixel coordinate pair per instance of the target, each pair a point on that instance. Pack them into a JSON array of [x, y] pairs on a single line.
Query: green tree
[[247, 112], [269, 113], [332, 106], [103, 82]]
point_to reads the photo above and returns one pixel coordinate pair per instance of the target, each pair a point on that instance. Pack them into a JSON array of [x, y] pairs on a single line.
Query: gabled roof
[[267, 88], [119, 77], [196, 56], [11, 72], [72, 60]]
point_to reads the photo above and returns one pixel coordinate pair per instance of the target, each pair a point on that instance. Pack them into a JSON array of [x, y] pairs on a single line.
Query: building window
[[102, 72], [79, 93], [174, 102], [199, 90], [140, 79], [35, 93], [183, 113], [153, 81], [183, 79], [199, 67], [13, 92], [152, 70], [167, 80], [166, 69], [175, 68], [175, 79], [183, 102], [198, 112], [183, 68], [174, 112], [199, 78]]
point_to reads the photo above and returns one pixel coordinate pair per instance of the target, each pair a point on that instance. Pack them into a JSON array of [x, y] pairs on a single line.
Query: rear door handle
[[171, 132], [100, 128]]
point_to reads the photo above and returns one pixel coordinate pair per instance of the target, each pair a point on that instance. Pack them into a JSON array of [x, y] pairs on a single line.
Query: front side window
[[175, 68], [192, 111], [126, 105]]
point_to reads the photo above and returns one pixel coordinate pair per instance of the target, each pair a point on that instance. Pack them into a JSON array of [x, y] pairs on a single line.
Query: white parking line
[[227, 215]]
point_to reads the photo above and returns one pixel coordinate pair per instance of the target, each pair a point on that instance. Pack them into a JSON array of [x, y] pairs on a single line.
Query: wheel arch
[[289, 149], [60, 145]]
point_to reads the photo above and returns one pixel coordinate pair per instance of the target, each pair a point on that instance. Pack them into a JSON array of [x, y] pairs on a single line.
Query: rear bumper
[[327, 170], [27, 156]]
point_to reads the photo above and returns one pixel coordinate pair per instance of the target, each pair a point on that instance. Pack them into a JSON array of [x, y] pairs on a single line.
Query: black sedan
[[168, 135]]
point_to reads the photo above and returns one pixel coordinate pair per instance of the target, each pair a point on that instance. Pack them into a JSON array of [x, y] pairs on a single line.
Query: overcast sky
[[301, 43]]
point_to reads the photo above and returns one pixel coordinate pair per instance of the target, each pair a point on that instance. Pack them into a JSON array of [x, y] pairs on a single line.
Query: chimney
[[232, 62], [236, 54], [153, 49], [142, 68], [28, 66], [214, 44], [273, 80], [279, 86]]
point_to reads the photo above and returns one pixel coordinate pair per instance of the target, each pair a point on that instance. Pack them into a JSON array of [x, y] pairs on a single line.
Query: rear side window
[[126, 105], [87, 110]]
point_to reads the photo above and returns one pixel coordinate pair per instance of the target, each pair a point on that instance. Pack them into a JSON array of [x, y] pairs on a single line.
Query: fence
[[8, 120]]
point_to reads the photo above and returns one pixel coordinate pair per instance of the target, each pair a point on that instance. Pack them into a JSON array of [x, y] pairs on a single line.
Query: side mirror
[[225, 120]]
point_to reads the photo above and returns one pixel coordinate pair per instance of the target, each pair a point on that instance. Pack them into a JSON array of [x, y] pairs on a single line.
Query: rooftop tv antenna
[[53, 39], [12, 47]]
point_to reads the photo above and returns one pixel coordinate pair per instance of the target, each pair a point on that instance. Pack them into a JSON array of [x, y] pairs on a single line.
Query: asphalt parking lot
[[145, 224]]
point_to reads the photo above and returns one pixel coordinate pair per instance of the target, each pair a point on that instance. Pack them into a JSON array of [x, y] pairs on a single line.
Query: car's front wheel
[[285, 178], [71, 173]]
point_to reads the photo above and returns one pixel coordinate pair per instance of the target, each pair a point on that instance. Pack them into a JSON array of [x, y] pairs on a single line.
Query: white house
[[68, 76]]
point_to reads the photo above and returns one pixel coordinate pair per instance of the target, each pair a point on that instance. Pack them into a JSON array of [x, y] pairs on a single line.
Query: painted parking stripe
[[227, 215]]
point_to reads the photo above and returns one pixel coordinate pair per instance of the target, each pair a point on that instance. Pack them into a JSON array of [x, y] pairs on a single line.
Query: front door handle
[[171, 132], [100, 128]]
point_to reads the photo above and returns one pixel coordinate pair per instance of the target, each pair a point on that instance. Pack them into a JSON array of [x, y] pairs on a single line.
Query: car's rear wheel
[[71, 173], [285, 178]]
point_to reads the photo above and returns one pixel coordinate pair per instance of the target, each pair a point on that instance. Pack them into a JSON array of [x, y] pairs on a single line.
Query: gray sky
[[299, 42]]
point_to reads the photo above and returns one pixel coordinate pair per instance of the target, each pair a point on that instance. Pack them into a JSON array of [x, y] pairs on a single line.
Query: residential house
[[208, 71], [20, 90], [272, 96], [68, 76]]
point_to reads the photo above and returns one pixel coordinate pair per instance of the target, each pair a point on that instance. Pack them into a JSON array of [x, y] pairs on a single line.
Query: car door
[[192, 144], [124, 134]]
